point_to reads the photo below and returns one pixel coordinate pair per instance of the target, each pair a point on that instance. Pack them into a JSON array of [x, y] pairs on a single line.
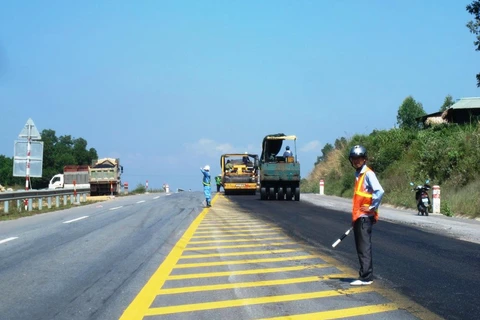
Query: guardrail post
[[40, 203], [18, 205], [84, 197], [78, 198], [30, 202], [71, 199], [5, 207], [65, 200], [436, 199], [57, 201], [49, 202]]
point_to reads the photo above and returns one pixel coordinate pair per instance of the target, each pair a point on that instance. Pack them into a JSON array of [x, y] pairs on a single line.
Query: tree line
[[57, 152]]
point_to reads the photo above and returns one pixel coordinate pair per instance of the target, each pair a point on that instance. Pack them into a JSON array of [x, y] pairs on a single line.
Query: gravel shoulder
[[459, 228]]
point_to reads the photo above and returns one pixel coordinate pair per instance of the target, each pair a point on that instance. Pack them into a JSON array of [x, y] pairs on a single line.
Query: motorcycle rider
[[367, 197]]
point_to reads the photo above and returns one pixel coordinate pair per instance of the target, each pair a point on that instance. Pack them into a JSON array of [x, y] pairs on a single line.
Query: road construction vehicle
[[239, 173], [279, 171], [105, 177]]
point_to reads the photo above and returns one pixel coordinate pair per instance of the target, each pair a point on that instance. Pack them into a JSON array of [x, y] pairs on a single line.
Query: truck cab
[[56, 182]]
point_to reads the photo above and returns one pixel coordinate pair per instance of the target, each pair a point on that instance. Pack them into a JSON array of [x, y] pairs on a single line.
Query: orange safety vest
[[361, 197]]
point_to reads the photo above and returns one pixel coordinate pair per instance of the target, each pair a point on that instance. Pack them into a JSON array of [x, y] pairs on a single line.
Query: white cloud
[[311, 146], [209, 147]]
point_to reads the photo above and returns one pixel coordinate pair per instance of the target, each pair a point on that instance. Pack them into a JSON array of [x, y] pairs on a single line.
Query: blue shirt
[[206, 177]]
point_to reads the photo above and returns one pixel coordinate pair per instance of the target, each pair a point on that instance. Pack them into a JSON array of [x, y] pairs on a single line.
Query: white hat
[[206, 168]]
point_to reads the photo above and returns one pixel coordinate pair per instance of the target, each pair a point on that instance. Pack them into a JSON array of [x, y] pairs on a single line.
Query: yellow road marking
[[248, 261], [223, 223], [247, 227], [140, 305], [240, 253], [245, 272], [236, 235], [340, 313], [239, 230], [401, 301], [224, 218], [241, 246], [236, 240], [251, 301], [236, 285]]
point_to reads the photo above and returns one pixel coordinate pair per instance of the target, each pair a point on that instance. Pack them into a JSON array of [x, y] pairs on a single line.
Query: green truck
[[279, 171]]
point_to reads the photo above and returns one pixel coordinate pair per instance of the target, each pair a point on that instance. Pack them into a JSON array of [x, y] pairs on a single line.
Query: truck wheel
[[289, 194], [297, 194], [271, 193], [263, 193], [281, 194]]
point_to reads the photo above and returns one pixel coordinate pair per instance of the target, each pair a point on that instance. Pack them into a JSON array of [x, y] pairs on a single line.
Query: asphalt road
[[164, 255], [88, 262], [425, 264]]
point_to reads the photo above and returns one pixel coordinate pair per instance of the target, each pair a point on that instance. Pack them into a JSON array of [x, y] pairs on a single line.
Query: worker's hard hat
[[288, 148], [206, 168]]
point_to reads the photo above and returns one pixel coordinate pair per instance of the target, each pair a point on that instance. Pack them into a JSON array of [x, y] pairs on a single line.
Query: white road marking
[[115, 208], [140, 201], [8, 239], [81, 218], [156, 197]]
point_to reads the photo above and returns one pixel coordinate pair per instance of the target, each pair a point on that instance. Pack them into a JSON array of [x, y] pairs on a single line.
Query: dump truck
[[279, 174], [239, 173], [105, 177], [73, 176]]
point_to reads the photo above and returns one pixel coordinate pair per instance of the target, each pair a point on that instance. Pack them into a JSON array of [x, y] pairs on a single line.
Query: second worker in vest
[[367, 196]]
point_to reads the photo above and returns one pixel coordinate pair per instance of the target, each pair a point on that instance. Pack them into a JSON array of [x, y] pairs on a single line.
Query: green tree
[[447, 103], [339, 143], [57, 152], [408, 112], [474, 27], [325, 151]]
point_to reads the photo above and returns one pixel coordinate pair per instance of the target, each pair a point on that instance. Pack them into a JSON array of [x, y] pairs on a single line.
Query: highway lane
[[62, 267], [439, 272], [165, 256], [238, 261]]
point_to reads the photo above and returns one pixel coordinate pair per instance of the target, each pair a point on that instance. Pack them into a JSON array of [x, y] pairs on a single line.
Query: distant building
[[465, 110]]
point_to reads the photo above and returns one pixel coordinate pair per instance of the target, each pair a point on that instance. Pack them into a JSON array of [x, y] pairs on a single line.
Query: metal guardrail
[[5, 197]]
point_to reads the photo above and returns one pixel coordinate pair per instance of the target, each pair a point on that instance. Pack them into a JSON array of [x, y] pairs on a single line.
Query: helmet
[[206, 168], [288, 148], [358, 151]]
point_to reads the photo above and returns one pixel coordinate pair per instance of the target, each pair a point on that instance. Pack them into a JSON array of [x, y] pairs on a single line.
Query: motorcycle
[[422, 198]]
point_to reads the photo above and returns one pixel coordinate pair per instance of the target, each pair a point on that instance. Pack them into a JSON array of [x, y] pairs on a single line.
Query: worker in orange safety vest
[[367, 197]]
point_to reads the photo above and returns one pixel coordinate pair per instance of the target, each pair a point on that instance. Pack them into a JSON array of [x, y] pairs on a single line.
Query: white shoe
[[360, 283]]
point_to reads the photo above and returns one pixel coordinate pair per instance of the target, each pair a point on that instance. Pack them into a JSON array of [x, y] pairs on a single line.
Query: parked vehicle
[[103, 177], [422, 197], [72, 176]]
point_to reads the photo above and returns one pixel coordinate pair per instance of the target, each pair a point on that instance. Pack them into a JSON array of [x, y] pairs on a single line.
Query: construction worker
[[206, 184], [367, 196], [228, 166], [288, 152], [218, 181]]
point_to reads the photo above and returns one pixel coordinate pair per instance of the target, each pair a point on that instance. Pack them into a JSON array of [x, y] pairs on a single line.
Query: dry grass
[[333, 164]]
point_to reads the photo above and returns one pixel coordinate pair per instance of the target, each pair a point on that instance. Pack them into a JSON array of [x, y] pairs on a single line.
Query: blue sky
[[168, 86]]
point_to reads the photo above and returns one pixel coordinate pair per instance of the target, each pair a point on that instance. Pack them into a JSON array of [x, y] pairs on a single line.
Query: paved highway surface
[[166, 257]]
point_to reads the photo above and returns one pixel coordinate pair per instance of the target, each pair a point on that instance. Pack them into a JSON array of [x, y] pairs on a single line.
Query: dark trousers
[[362, 229], [218, 187]]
